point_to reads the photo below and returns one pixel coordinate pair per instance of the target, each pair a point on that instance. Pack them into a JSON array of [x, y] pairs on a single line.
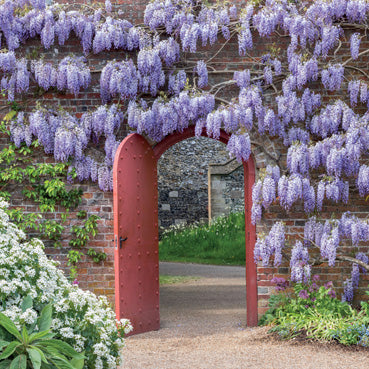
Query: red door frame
[[250, 230]]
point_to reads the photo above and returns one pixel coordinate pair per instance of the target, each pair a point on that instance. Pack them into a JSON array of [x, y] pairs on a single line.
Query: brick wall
[[99, 278]]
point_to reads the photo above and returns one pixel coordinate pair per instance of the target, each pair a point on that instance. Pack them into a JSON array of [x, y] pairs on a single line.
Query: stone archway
[[136, 239]]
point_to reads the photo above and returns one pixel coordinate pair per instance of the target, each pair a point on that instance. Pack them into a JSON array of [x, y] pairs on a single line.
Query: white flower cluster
[[79, 317]]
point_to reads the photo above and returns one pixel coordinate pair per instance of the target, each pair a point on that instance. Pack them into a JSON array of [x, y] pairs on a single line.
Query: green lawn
[[173, 279], [222, 243]]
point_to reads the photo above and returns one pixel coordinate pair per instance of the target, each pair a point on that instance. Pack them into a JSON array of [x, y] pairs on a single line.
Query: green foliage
[[53, 192], [316, 312], [25, 221], [74, 256], [81, 214], [37, 349], [45, 185], [83, 233], [97, 256], [52, 229], [222, 242]]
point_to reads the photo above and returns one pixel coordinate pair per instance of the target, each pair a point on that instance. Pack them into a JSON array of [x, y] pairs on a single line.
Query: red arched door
[[136, 234], [136, 231]]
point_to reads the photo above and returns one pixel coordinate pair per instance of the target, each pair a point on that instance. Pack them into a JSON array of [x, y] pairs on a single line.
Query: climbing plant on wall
[[304, 92]]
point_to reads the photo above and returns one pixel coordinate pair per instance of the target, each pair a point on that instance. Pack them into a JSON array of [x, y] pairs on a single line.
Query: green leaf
[[43, 357], [77, 363], [25, 335], [3, 344], [9, 326], [20, 362], [62, 347], [41, 335], [51, 352], [46, 366], [5, 364], [10, 349], [8, 117], [27, 303], [45, 319], [35, 358], [61, 363]]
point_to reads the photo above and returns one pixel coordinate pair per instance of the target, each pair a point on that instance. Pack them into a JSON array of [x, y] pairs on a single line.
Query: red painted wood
[[136, 218], [250, 238]]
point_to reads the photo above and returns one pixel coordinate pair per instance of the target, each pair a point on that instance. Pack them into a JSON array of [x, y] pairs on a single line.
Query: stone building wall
[[183, 182], [225, 188]]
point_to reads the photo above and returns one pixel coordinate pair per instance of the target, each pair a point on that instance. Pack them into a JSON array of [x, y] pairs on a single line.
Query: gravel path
[[203, 327]]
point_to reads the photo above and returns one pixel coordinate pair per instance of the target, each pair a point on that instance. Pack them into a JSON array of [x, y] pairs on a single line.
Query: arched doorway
[[136, 240]]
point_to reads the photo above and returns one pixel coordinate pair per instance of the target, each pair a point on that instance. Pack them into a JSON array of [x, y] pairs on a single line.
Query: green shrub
[[81, 319], [315, 311], [36, 349]]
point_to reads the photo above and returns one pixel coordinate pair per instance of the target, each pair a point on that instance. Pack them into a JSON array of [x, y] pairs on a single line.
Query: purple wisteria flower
[[348, 291], [355, 45], [332, 77], [72, 75], [240, 146], [300, 269], [108, 6], [119, 79], [272, 244], [177, 82], [269, 191], [202, 73]]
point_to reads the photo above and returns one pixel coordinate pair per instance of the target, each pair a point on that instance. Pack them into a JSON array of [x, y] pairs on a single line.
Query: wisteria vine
[[285, 95]]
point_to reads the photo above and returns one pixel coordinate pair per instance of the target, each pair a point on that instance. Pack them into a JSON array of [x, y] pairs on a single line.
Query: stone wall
[[183, 182], [225, 188]]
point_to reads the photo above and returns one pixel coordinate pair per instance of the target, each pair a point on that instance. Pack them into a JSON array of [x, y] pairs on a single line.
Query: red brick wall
[[99, 278]]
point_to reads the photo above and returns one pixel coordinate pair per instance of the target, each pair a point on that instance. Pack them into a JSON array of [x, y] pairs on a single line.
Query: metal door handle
[[121, 240]]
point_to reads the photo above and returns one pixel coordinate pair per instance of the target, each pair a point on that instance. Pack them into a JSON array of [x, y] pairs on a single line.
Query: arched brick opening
[[136, 230]]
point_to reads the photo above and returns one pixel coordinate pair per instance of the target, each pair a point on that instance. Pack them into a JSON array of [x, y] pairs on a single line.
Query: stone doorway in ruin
[[136, 239]]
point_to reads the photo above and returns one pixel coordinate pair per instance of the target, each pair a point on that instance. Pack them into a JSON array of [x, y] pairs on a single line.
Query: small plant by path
[[312, 311], [221, 243]]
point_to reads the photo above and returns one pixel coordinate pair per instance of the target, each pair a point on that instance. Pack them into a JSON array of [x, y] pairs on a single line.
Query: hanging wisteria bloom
[[119, 79], [45, 74], [20, 131], [355, 45], [270, 245], [239, 145], [177, 82], [7, 61], [299, 263], [73, 75], [332, 77], [202, 73], [164, 118]]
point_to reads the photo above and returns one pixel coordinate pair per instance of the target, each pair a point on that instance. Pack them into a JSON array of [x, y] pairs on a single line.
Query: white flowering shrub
[[79, 317]]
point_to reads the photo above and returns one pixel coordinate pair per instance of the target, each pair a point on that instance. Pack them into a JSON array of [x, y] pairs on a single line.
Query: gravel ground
[[203, 327]]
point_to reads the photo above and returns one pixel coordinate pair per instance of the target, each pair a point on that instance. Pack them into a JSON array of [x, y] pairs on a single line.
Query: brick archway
[[136, 230]]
